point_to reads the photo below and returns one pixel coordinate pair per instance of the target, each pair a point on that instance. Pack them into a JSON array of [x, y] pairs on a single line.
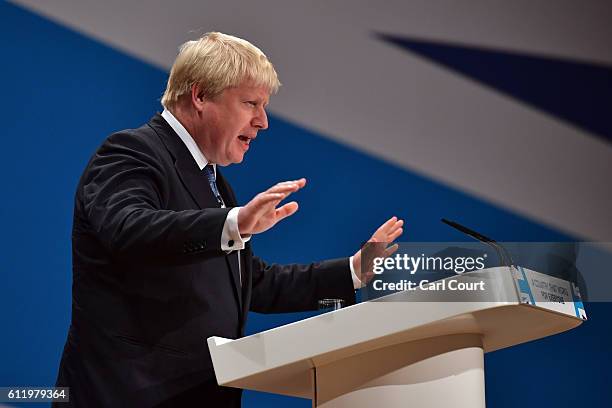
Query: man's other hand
[[261, 214], [379, 245]]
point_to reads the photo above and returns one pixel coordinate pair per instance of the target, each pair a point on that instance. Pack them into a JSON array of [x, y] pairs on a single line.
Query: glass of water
[[328, 305]]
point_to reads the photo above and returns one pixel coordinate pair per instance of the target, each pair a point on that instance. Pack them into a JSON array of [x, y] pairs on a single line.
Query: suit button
[[230, 243]]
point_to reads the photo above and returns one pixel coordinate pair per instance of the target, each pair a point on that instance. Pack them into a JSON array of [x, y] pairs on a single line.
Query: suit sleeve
[[122, 196], [294, 287]]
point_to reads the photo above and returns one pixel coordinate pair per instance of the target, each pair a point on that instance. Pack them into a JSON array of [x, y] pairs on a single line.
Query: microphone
[[502, 253]]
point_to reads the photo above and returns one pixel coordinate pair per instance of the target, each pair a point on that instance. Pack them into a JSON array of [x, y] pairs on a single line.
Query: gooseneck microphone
[[502, 253]]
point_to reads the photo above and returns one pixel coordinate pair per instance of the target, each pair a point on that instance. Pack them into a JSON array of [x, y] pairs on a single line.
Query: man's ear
[[197, 97]]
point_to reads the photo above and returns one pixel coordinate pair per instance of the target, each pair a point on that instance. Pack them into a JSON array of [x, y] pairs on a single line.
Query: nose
[[260, 121]]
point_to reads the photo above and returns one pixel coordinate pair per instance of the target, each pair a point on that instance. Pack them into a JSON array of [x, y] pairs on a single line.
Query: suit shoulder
[[129, 148], [143, 139]]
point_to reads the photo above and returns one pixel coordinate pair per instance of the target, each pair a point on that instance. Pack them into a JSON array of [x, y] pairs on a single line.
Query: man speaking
[[161, 251]]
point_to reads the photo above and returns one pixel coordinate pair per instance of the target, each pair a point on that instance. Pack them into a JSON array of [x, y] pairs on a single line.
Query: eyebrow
[[259, 100]]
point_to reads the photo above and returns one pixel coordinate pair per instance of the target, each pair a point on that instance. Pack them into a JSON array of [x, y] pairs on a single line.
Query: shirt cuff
[[356, 280], [230, 236]]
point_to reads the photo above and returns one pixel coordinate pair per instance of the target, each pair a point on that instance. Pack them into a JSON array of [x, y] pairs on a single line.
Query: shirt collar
[[187, 139]]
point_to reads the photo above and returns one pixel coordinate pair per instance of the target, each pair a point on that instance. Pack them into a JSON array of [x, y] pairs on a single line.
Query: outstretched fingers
[[391, 250], [288, 186], [299, 182], [397, 225], [388, 224], [395, 234], [261, 213], [390, 230], [286, 210], [282, 190], [268, 198]]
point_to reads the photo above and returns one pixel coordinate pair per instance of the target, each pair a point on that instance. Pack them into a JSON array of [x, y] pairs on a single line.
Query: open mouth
[[244, 139]]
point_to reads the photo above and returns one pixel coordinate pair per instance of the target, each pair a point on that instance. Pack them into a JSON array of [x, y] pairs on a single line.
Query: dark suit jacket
[[151, 284]]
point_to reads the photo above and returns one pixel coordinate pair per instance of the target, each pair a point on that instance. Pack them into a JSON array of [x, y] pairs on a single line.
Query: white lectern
[[422, 347]]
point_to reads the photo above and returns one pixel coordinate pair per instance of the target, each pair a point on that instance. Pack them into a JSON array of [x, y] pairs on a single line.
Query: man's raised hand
[[378, 246], [261, 214]]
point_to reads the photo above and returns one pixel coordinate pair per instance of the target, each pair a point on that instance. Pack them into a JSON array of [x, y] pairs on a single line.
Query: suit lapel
[[226, 192], [196, 183], [246, 255], [230, 201], [190, 174]]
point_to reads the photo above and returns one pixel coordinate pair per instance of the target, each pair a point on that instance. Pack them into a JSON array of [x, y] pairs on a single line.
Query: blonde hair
[[217, 61]]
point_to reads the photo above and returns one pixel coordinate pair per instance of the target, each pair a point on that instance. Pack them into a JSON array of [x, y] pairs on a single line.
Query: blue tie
[[210, 175]]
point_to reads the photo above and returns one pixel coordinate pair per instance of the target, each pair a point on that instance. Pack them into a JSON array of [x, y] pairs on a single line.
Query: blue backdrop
[[64, 93]]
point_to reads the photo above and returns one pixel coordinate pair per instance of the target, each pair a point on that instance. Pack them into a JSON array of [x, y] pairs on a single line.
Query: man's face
[[230, 122]]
